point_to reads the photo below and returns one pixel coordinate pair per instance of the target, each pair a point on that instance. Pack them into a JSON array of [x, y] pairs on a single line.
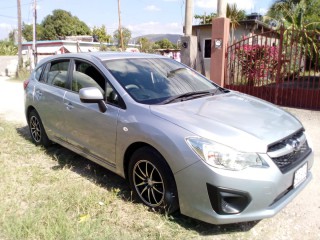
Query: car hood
[[237, 120]]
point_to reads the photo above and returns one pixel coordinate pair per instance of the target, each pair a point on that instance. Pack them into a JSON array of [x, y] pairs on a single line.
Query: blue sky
[[140, 16]]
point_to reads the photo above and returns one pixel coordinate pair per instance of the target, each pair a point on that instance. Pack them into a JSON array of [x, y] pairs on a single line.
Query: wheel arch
[[134, 147], [28, 111]]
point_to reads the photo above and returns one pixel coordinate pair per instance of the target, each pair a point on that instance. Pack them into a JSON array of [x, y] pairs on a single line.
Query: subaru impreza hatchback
[[182, 141]]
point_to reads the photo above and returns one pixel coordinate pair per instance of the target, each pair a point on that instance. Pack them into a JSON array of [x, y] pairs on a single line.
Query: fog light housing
[[227, 201]]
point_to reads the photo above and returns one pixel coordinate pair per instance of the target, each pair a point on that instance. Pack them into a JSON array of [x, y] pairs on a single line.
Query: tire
[[37, 132], [152, 181]]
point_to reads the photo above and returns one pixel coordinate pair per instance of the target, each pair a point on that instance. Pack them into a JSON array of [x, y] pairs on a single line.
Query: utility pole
[[19, 36], [188, 42], [120, 27], [188, 18], [222, 8], [34, 43]]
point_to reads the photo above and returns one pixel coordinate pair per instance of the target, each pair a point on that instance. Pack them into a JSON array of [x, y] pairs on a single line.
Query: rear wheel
[[152, 181], [37, 132]]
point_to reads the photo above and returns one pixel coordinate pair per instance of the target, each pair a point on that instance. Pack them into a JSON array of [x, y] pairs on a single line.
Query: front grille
[[283, 143], [295, 152]]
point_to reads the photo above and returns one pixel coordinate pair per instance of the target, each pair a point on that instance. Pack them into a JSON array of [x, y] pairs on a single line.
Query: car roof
[[102, 56]]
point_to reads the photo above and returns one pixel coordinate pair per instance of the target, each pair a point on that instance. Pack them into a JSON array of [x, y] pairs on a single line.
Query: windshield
[[154, 80]]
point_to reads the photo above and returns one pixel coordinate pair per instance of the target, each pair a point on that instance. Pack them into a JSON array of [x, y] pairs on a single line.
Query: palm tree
[[293, 15], [235, 15]]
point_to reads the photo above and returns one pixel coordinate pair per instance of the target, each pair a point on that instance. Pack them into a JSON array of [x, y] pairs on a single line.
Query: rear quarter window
[[37, 73]]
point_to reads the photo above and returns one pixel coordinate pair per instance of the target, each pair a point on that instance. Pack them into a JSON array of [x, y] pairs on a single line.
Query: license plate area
[[300, 175]]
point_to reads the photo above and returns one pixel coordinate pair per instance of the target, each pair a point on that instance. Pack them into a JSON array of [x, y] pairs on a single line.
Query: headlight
[[221, 156]]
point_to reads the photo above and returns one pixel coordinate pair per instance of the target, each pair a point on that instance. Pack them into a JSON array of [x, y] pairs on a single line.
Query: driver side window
[[85, 75]]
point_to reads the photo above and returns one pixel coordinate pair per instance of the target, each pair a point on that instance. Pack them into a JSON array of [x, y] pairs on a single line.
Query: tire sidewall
[[44, 140], [170, 201]]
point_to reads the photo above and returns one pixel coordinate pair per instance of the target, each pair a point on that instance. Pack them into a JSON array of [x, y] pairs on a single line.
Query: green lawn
[[56, 194]]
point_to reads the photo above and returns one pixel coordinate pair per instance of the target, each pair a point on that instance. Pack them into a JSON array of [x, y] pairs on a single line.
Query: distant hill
[[157, 37]]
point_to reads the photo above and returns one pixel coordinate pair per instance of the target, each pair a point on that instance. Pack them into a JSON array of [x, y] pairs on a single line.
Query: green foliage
[[146, 45], [27, 31], [101, 34], [8, 48], [164, 44], [297, 14], [300, 16], [233, 13], [205, 19], [126, 35], [61, 23], [11, 36]]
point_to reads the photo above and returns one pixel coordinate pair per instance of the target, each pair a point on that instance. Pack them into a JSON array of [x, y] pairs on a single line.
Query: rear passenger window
[[85, 75], [58, 73]]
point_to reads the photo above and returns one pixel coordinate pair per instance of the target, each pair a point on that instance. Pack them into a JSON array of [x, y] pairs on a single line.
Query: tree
[[205, 19], [101, 34], [126, 34], [297, 14], [235, 15], [165, 44], [146, 45], [11, 36], [27, 31], [297, 17], [61, 24], [8, 48]]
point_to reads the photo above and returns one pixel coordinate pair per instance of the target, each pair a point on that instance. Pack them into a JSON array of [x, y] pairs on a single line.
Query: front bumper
[[265, 191]]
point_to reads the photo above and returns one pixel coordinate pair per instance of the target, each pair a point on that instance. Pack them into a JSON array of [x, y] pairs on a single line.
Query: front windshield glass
[[154, 80]]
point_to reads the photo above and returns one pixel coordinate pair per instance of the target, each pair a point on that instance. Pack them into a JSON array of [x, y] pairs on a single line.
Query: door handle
[[39, 93]]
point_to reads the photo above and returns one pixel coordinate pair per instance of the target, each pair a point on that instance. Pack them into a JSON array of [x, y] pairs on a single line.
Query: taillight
[[25, 84]]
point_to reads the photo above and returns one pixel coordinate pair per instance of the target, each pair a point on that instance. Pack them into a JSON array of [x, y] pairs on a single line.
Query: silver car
[[182, 141]]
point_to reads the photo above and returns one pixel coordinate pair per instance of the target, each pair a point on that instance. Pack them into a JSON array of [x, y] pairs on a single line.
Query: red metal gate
[[280, 66]]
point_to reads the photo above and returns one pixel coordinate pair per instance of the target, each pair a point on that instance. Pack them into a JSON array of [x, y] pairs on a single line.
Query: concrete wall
[[9, 64]]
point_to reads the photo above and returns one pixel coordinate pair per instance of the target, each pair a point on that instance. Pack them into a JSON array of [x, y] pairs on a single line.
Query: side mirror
[[93, 95]]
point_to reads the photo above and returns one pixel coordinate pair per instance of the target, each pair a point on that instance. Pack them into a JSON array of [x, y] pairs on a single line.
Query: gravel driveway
[[299, 220]]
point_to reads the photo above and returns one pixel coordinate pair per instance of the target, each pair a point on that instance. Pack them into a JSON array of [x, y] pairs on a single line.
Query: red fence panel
[[279, 66]]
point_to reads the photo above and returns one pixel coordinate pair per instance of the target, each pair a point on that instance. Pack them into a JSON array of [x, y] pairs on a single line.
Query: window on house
[[207, 48]]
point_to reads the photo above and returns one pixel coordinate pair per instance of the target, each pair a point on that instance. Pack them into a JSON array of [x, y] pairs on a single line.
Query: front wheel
[[37, 132], [152, 181]]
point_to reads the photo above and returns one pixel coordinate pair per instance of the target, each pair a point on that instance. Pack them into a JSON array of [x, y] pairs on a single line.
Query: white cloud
[[155, 28], [263, 11], [211, 5], [5, 29], [152, 8]]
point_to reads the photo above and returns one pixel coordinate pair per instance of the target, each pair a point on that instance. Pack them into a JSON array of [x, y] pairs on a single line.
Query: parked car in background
[[182, 141]]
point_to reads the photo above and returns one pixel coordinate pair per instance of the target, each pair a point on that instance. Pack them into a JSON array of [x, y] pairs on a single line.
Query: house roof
[[242, 22]]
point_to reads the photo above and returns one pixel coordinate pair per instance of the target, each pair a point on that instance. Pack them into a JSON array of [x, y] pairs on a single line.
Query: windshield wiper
[[187, 96]]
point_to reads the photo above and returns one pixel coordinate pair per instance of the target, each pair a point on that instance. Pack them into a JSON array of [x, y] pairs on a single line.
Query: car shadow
[[109, 180]]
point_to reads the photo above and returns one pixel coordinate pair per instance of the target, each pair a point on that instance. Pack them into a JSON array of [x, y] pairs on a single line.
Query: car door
[[49, 94], [87, 128]]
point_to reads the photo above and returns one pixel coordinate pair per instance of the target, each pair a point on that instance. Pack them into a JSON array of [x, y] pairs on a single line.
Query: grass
[[54, 193]]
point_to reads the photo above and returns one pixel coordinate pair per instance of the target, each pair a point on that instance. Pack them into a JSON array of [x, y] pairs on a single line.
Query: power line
[[25, 4]]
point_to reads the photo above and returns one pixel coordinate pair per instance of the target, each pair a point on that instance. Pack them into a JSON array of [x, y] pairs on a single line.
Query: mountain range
[[157, 37]]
